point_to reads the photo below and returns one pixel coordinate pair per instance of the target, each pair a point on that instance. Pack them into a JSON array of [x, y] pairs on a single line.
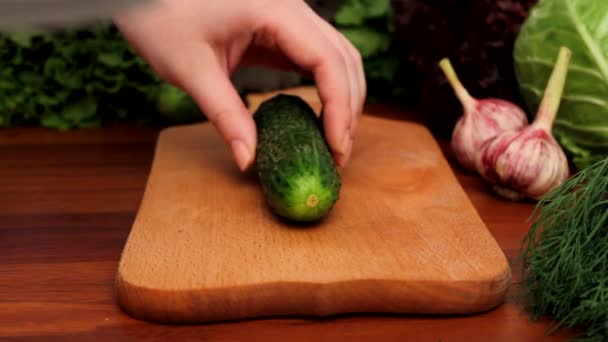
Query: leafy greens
[[78, 78], [582, 122], [368, 25]]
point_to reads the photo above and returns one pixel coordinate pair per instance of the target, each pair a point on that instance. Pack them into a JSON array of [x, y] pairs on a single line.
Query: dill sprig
[[565, 255]]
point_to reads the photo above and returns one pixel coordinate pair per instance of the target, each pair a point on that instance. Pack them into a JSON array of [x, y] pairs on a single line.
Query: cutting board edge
[[311, 299]]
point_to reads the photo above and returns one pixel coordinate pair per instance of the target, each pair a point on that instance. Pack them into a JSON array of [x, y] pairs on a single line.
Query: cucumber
[[295, 168]]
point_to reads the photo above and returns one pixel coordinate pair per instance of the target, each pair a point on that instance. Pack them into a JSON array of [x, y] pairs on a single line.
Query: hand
[[197, 44]]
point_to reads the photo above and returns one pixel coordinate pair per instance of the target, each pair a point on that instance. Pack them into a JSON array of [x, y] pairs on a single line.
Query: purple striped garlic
[[529, 162], [482, 119]]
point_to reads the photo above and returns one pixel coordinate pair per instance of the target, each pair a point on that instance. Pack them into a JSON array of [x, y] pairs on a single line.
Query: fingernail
[[241, 154]]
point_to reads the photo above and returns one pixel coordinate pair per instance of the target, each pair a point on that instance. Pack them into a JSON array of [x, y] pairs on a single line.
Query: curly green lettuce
[[78, 78]]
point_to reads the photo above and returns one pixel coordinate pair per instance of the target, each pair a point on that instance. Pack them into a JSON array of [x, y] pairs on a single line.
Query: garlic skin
[[523, 164], [481, 119], [529, 162]]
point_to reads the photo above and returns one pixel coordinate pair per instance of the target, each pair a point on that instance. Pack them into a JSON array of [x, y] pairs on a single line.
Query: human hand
[[197, 44]]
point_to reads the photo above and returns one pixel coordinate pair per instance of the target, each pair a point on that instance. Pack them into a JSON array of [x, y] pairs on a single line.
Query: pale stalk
[[461, 92], [551, 100]]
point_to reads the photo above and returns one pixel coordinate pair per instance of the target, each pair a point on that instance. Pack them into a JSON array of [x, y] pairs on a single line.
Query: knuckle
[[340, 57]]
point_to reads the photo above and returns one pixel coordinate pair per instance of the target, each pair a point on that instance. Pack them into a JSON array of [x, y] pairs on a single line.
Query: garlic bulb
[[526, 163], [481, 120], [529, 162]]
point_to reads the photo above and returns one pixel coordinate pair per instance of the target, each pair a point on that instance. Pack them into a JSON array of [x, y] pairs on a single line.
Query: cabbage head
[[581, 125]]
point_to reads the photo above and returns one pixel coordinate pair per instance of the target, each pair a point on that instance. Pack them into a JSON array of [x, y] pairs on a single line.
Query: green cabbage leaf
[[581, 125]]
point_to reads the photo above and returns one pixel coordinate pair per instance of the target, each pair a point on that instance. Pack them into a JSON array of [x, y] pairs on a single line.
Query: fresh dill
[[565, 255]]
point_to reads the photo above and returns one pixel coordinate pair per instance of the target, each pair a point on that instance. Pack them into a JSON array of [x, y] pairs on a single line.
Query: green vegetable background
[[368, 25], [81, 78], [90, 76]]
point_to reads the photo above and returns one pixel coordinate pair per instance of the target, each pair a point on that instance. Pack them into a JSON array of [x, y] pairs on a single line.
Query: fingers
[[359, 74], [354, 67], [304, 43], [208, 84]]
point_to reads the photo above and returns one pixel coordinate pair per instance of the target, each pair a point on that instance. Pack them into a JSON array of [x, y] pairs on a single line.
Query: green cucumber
[[296, 170]]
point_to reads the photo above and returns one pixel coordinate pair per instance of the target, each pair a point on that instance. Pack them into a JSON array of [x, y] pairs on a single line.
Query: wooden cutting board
[[403, 238]]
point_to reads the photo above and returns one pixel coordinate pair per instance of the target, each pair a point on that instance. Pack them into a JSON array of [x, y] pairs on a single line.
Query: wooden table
[[67, 201]]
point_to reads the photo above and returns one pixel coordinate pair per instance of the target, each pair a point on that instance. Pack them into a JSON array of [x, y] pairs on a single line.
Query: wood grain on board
[[403, 237]]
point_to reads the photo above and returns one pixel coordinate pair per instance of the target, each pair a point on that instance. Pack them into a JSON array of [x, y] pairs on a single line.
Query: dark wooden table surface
[[67, 201]]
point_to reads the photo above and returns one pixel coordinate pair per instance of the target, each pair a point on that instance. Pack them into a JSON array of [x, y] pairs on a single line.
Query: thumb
[[211, 88]]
